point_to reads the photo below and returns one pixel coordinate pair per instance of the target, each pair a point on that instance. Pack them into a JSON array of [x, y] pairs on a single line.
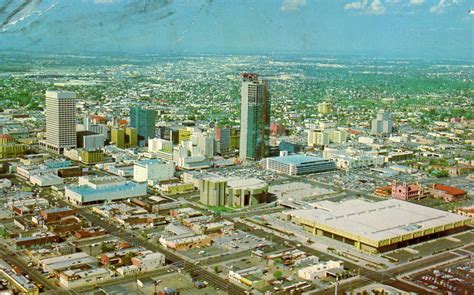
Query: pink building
[[277, 129], [406, 191]]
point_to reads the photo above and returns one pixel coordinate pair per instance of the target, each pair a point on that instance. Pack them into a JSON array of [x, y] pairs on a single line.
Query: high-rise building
[[184, 134], [8, 147], [206, 144], [254, 118], [234, 138], [60, 120], [144, 121], [212, 191], [124, 137], [223, 136], [339, 136], [383, 123], [324, 108]]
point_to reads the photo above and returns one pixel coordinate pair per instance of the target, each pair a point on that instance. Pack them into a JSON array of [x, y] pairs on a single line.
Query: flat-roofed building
[[100, 189], [20, 282], [72, 278], [179, 243], [148, 261], [46, 180], [51, 215], [56, 264], [220, 191], [152, 170], [60, 120], [247, 192], [320, 270], [298, 164], [377, 226], [212, 190]]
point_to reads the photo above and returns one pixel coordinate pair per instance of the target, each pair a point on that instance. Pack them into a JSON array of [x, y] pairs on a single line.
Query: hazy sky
[[405, 28]]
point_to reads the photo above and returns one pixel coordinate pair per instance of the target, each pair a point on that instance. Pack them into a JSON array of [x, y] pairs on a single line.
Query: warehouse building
[[92, 190], [298, 164], [377, 226]]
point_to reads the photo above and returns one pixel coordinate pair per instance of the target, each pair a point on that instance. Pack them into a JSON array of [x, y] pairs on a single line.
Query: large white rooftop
[[376, 220]]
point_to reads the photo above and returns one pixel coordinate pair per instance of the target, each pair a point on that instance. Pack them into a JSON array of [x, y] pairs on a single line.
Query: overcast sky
[[379, 28]]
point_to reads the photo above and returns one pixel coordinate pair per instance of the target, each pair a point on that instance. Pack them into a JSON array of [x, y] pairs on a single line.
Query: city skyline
[[236, 147]]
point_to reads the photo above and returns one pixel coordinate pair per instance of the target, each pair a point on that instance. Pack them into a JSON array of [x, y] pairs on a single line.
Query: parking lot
[[234, 241], [454, 278]]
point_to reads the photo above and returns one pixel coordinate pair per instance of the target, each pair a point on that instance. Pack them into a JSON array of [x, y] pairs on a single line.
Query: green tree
[[442, 174], [277, 274]]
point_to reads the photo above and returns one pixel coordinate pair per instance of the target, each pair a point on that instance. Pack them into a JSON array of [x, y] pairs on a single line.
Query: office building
[[246, 192], [10, 149], [377, 226], [339, 136], [124, 137], [234, 138], [89, 140], [254, 118], [157, 145], [212, 190], [382, 124], [152, 170], [60, 121], [318, 138], [324, 108], [143, 120], [184, 134], [206, 145], [223, 137], [298, 164], [220, 191]]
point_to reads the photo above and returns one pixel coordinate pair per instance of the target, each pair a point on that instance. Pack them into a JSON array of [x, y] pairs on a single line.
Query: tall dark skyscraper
[[143, 120], [254, 118]]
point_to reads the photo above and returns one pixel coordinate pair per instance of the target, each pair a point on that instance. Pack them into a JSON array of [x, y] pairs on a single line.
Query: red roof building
[[447, 193]]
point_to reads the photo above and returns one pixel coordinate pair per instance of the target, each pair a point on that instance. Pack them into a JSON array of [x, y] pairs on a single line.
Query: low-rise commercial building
[[46, 180], [249, 276], [52, 215], [73, 278], [298, 164], [92, 190], [59, 263], [320, 270], [185, 243], [148, 261], [350, 158], [20, 282], [172, 189], [377, 226], [152, 170]]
